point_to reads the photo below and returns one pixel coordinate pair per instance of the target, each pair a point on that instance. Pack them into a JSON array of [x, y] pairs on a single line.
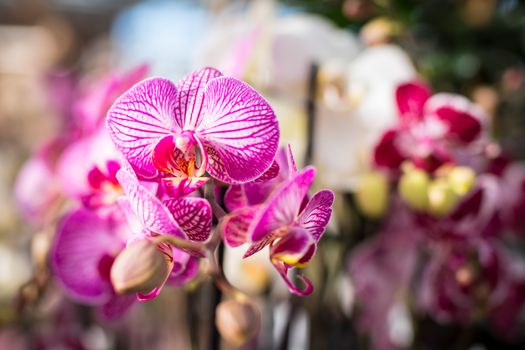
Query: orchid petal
[[411, 98], [292, 167], [152, 214], [269, 174], [235, 226], [283, 271], [140, 118], [387, 152], [84, 248], [292, 247], [180, 186], [193, 215], [167, 157], [463, 118], [235, 198], [259, 245], [117, 306], [283, 206], [316, 214], [240, 132], [191, 97], [185, 267]]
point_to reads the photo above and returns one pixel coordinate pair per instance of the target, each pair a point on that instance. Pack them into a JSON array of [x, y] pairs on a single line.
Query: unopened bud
[[441, 198], [413, 188], [237, 321], [372, 194], [462, 179], [139, 268]]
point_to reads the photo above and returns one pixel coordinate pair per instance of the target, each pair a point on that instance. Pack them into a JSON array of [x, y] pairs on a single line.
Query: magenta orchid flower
[[462, 280], [85, 246], [207, 122], [186, 218], [87, 171], [286, 221], [430, 128]]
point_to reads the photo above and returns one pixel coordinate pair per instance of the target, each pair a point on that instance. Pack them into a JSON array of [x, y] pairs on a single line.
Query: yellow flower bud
[[237, 321], [139, 268], [413, 187], [441, 198], [372, 194], [461, 179]]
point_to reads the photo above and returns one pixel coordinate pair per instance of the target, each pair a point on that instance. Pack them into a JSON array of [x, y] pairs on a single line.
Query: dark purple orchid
[[286, 220], [463, 282], [207, 122], [429, 128]]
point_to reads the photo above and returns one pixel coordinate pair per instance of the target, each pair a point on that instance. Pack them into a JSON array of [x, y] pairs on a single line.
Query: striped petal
[[180, 186], [152, 214], [140, 118], [234, 226], [190, 99], [193, 215], [240, 131], [316, 214], [283, 206], [84, 249], [235, 198]]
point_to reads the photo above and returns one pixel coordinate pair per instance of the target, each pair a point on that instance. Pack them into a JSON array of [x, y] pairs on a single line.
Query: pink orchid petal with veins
[[219, 122], [151, 212]]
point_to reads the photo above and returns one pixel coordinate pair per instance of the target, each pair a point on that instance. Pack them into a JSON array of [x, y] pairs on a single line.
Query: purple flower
[[87, 170], [287, 221], [88, 242], [207, 122], [463, 280], [85, 246], [430, 128], [185, 218]]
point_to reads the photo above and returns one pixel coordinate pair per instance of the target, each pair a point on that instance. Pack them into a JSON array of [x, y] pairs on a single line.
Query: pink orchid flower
[[87, 171], [84, 248], [207, 122], [286, 221], [429, 128], [186, 218], [88, 242]]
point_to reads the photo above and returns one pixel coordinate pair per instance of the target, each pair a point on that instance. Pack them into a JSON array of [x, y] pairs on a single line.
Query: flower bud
[[441, 198], [372, 194], [461, 179], [139, 268], [413, 188], [237, 321]]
